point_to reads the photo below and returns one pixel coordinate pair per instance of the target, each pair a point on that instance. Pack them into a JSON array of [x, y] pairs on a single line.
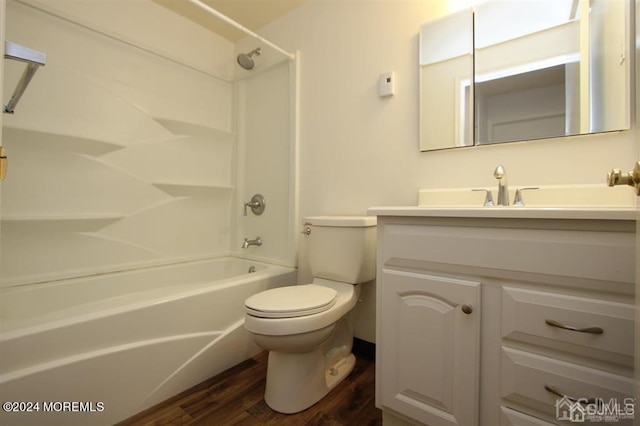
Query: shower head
[[245, 61]]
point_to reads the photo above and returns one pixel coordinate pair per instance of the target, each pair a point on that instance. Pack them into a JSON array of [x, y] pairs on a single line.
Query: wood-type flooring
[[235, 397]]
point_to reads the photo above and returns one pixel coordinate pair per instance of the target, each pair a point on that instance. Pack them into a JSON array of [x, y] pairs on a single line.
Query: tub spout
[[247, 242]]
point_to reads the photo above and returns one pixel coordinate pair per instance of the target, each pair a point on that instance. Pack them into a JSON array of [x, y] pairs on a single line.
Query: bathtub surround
[[119, 157], [266, 164], [130, 151], [129, 160]]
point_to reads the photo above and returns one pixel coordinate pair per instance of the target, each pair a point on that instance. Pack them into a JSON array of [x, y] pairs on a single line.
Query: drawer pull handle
[[591, 330], [556, 392]]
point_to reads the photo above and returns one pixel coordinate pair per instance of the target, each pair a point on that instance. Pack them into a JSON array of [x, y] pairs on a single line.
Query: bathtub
[[96, 350]]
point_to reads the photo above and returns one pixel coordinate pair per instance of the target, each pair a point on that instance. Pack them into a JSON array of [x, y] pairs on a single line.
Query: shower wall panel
[[119, 158], [266, 164]]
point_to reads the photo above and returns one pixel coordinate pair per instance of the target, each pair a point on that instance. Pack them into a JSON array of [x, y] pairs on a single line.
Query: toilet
[[306, 328]]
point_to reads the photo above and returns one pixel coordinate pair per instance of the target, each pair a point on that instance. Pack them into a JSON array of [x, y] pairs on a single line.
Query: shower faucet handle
[[257, 205]]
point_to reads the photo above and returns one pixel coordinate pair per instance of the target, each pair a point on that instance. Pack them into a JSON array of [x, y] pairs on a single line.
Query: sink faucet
[[503, 189], [247, 242]]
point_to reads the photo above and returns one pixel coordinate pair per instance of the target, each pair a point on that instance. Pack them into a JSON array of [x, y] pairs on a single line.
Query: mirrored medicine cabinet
[[509, 71]]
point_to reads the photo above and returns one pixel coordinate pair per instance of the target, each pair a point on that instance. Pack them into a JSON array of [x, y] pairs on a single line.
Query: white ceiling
[[252, 14]]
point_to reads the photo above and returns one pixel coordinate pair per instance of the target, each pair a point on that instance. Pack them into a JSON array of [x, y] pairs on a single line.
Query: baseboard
[[364, 349]]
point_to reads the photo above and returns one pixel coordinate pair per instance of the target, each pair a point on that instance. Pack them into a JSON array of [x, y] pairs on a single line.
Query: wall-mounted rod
[[241, 27], [33, 59], [20, 53]]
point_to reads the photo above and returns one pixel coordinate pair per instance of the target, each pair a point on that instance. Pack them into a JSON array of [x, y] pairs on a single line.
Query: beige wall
[[359, 150]]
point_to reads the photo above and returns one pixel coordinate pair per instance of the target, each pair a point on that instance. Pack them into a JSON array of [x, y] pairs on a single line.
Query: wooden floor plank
[[236, 397]]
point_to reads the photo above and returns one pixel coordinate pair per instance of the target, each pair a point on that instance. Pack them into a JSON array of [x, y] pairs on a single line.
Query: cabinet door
[[429, 358]]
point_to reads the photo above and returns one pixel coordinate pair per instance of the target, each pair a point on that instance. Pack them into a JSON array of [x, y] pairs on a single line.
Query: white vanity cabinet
[[492, 321], [431, 367]]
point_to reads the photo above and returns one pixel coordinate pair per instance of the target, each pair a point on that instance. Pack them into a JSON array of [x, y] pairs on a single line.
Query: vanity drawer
[[527, 314], [509, 417], [603, 256], [525, 375]]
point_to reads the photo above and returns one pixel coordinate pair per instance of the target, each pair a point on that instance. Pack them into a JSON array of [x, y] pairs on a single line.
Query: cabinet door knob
[[467, 309]]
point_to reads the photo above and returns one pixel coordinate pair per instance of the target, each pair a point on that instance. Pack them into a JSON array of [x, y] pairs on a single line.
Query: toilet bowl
[[308, 354], [306, 328]]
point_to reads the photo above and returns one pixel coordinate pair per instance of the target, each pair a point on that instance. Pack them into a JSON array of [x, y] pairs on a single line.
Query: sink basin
[[550, 196]]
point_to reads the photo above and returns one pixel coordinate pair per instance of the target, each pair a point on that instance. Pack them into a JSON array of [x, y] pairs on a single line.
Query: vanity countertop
[[497, 212]]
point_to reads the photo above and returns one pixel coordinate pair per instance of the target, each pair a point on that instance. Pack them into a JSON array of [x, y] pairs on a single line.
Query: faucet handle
[[257, 205], [488, 200], [518, 201]]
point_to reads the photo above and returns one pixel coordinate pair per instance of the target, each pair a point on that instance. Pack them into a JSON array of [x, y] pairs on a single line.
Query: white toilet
[[305, 327]]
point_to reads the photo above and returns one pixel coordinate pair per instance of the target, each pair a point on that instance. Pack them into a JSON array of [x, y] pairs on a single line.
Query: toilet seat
[[291, 301]]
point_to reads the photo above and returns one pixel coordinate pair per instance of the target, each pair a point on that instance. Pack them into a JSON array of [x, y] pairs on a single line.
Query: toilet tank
[[342, 248]]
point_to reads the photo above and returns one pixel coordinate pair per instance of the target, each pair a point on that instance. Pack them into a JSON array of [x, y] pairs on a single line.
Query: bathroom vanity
[[500, 316]]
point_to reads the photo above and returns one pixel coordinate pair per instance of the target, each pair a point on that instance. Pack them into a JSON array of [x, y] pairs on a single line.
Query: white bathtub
[[96, 350]]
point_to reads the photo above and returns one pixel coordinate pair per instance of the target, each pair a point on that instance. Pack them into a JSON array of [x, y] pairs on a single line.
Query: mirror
[[446, 73], [544, 68]]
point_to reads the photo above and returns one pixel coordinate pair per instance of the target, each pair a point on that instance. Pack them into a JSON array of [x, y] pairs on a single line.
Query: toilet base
[[296, 381]]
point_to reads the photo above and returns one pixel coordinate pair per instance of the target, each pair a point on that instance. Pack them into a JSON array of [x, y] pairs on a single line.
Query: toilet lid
[[292, 301]]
